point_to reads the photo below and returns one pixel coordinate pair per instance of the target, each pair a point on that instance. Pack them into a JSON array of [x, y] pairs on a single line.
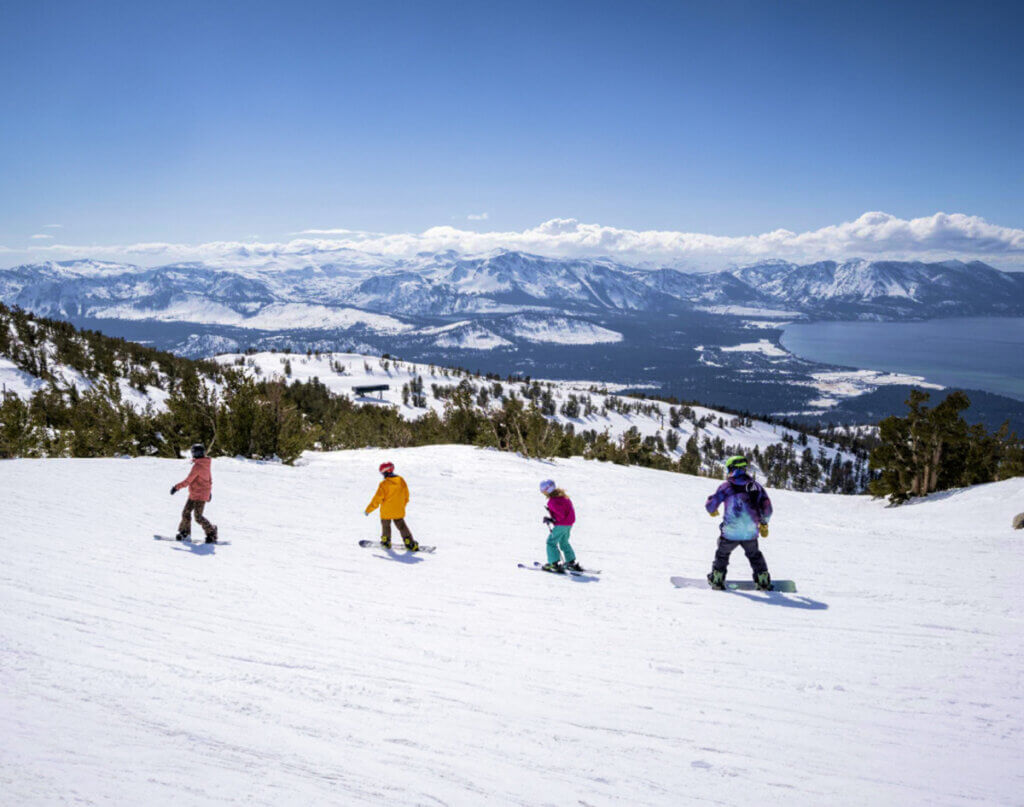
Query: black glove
[[174, 489], [549, 521]]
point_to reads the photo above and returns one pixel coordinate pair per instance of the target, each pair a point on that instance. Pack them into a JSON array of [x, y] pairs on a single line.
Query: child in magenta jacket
[[561, 516]]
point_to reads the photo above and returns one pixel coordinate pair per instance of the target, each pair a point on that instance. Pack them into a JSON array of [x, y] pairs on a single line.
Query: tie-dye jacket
[[746, 506]]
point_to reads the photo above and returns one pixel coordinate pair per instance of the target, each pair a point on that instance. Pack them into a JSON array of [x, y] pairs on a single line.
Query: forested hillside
[[68, 392]]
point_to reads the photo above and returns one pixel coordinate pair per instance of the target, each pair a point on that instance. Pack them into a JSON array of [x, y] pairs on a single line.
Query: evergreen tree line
[[932, 449]]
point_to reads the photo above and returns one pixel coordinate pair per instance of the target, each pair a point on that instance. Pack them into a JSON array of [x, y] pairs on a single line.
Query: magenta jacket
[[562, 512]]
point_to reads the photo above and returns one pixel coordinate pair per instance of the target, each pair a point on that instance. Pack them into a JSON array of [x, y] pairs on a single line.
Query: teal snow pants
[[558, 538]]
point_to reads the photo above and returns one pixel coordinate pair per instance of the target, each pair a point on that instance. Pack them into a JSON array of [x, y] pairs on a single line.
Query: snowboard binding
[[716, 579]]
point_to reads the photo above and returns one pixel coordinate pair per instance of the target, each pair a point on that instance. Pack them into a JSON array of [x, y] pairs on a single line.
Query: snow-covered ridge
[[465, 335], [583, 405], [293, 662], [562, 330], [141, 385]]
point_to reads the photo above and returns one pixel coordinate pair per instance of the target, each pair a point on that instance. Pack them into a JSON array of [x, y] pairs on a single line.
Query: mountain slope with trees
[[83, 394]]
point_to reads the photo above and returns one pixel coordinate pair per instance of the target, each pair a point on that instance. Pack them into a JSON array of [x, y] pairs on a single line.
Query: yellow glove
[[714, 514], [763, 530]]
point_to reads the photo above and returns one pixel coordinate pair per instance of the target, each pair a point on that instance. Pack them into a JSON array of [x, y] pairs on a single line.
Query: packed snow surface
[[293, 667]]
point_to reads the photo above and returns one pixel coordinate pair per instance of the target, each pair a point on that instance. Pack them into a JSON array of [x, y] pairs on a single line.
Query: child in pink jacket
[[561, 516], [200, 490]]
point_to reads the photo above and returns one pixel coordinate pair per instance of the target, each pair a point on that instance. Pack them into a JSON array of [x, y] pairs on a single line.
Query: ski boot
[[717, 580], [763, 581], [573, 566], [553, 567], [182, 536], [410, 544], [212, 537], [385, 542]]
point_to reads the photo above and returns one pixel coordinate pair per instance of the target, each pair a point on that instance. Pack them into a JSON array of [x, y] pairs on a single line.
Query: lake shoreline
[[983, 353]]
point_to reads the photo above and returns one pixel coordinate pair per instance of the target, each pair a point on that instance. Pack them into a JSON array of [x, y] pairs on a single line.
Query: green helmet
[[736, 462]]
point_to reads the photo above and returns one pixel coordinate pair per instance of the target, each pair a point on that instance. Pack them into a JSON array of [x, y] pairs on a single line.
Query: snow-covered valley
[[293, 667]]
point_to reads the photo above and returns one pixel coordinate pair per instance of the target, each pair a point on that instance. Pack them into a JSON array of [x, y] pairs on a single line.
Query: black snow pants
[[754, 555], [385, 528]]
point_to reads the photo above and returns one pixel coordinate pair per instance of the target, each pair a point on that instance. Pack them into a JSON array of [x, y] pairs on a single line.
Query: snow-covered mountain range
[[381, 295]]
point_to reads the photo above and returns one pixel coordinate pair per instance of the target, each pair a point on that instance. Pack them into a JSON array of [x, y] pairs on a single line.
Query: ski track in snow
[[294, 667]]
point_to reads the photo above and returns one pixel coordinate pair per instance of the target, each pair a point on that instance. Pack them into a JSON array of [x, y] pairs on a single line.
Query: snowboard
[[537, 567], [397, 545], [189, 541], [785, 586]]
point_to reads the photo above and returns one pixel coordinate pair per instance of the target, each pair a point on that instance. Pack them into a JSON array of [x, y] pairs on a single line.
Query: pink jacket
[[199, 480], [562, 512]]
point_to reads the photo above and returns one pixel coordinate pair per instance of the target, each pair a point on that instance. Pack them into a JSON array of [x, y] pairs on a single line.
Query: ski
[[784, 586], [538, 567], [371, 544]]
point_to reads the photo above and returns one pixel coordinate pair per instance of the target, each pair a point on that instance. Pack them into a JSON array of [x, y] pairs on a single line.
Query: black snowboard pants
[[754, 555], [385, 528]]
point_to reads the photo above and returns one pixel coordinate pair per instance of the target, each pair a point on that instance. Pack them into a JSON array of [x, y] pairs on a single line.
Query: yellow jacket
[[392, 496]]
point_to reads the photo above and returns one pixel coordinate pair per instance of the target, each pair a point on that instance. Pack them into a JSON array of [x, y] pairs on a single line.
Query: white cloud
[[478, 216], [336, 231], [873, 235], [41, 235]]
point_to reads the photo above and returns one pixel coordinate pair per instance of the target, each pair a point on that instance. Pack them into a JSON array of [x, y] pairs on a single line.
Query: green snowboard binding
[[717, 580]]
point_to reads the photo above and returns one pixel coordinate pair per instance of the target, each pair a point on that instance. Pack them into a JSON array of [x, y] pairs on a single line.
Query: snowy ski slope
[[293, 667]]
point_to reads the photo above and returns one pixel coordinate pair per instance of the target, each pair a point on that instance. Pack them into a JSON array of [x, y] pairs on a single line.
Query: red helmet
[[387, 467]]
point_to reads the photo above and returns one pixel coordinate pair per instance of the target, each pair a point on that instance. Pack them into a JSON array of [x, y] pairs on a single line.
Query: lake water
[[985, 353]]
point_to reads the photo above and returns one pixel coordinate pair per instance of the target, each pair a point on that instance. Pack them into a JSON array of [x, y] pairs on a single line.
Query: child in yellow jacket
[[392, 496]]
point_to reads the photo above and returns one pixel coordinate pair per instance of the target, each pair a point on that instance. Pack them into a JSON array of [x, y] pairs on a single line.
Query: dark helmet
[[198, 450], [736, 463]]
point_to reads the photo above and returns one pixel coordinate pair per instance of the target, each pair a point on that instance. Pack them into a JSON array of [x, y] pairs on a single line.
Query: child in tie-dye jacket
[[747, 511]]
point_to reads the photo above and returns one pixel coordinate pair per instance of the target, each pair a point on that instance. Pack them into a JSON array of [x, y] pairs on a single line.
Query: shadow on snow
[[783, 599], [404, 557]]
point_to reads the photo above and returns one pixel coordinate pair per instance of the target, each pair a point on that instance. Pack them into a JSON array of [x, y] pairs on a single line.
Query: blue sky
[[195, 122]]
